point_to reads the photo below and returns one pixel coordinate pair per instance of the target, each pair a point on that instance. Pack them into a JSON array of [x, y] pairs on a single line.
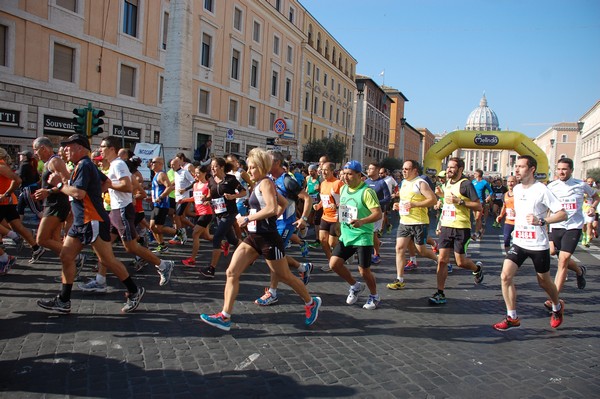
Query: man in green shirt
[[359, 209]]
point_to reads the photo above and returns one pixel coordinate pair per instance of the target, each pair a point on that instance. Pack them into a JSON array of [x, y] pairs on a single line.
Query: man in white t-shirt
[[564, 236], [184, 182], [533, 200], [122, 218]]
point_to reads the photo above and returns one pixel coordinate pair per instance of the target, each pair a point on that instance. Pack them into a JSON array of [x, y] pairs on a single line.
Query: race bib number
[[569, 204], [314, 197], [348, 213], [449, 213], [526, 233], [403, 208], [499, 196], [326, 199], [219, 205], [252, 225], [198, 197], [510, 214]]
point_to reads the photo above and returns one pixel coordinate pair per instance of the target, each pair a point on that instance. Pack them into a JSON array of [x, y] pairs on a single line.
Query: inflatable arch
[[488, 140]]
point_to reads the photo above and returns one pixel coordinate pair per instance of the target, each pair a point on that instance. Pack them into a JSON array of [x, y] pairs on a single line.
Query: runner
[[460, 198], [508, 210], [183, 182], [533, 200], [415, 197], [263, 239], [498, 191], [359, 209], [161, 188], [590, 222], [91, 225], [565, 235], [384, 196], [481, 187]]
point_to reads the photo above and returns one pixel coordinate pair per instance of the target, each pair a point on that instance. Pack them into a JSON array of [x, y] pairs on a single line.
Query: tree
[[593, 173], [334, 148], [392, 163]]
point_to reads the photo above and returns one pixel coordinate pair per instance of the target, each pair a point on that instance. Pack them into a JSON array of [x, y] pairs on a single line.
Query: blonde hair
[[4, 155], [261, 159]]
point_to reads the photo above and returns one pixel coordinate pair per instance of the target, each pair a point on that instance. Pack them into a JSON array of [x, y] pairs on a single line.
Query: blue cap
[[354, 165]]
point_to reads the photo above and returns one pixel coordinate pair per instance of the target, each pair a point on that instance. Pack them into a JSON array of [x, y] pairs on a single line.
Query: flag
[[382, 73]]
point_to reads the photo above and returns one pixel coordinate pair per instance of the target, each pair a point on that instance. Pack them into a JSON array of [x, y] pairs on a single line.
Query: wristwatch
[[59, 186], [305, 218], [461, 202], [542, 222]]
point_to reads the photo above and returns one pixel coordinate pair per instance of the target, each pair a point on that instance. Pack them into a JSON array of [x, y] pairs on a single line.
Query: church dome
[[482, 118]]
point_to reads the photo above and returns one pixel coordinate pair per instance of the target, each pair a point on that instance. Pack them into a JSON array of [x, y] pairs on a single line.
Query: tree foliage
[[392, 163], [334, 148], [594, 173]]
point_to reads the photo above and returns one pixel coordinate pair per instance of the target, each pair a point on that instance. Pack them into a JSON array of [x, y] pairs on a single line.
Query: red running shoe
[[557, 317], [189, 262], [507, 324], [225, 248]]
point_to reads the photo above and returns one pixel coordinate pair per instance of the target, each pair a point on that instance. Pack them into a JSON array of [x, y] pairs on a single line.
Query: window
[[206, 48], [278, 5], [161, 82], [325, 79], [317, 74], [127, 84], [337, 116], [315, 105], [276, 45], [272, 118], [203, 102], [233, 110], [292, 15], [288, 90], [274, 82], [252, 116], [130, 16], [331, 112], [564, 138], [3, 45], [165, 30], [64, 58], [235, 65], [332, 83], [323, 110], [237, 19], [256, 32], [209, 5], [70, 5], [306, 103], [308, 68], [254, 74], [290, 54]]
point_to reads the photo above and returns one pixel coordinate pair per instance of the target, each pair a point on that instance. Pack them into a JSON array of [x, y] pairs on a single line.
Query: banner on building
[[147, 152]]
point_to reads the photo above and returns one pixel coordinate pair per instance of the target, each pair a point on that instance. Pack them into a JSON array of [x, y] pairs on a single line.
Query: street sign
[[279, 126], [280, 141], [230, 134]]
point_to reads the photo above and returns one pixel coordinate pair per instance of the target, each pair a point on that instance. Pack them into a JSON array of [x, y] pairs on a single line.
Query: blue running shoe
[[305, 276], [217, 320], [312, 311], [304, 249], [437, 299]]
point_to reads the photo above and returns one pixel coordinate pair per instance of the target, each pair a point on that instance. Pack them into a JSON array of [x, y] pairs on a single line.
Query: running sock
[[303, 267], [225, 314], [162, 265], [100, 279], [356, 286], [273, 292], [309, 303], [65, 292], [441, 292], [512, 314], [12, 235], [413, 259], [556, 308], [131, 287], [401, 279], [35, 247]]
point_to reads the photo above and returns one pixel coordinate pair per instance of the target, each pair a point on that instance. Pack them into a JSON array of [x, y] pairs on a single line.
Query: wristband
[[59, 186], [305, 218]]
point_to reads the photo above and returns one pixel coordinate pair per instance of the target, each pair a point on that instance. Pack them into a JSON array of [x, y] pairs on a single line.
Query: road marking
[[247, 362]]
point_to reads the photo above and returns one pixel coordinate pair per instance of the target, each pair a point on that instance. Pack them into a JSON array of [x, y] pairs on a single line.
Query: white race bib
[[449, 213], [198, 197], [403, 209], [252, 225], [219, 205], [527, 234], [347, 213]]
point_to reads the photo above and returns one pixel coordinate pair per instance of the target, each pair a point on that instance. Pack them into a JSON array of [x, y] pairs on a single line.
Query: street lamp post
[[357, 147], [552, 158]]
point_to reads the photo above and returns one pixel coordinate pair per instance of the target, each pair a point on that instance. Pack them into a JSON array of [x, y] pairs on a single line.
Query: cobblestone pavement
[[403, 349]]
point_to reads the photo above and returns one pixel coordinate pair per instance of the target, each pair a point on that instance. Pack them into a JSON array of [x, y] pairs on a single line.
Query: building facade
[[397, 123], [327, 88], [175, 73], [588, 142], [372, 123], [559, 141]]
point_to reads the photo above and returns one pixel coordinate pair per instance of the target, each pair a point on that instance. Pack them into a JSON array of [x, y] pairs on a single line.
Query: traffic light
[[80, 120], [96, 114]]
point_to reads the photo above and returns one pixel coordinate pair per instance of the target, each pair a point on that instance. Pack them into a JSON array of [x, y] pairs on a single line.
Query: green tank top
[[352, 207]]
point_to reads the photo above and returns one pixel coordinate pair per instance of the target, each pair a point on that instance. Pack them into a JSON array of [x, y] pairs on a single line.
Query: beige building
[[397, 123], [427, 140], [177, 73], [558, 142], [588, 142], [327, 87]]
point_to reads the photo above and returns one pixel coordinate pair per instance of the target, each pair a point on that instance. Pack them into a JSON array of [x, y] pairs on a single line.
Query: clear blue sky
[[538, 62]]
